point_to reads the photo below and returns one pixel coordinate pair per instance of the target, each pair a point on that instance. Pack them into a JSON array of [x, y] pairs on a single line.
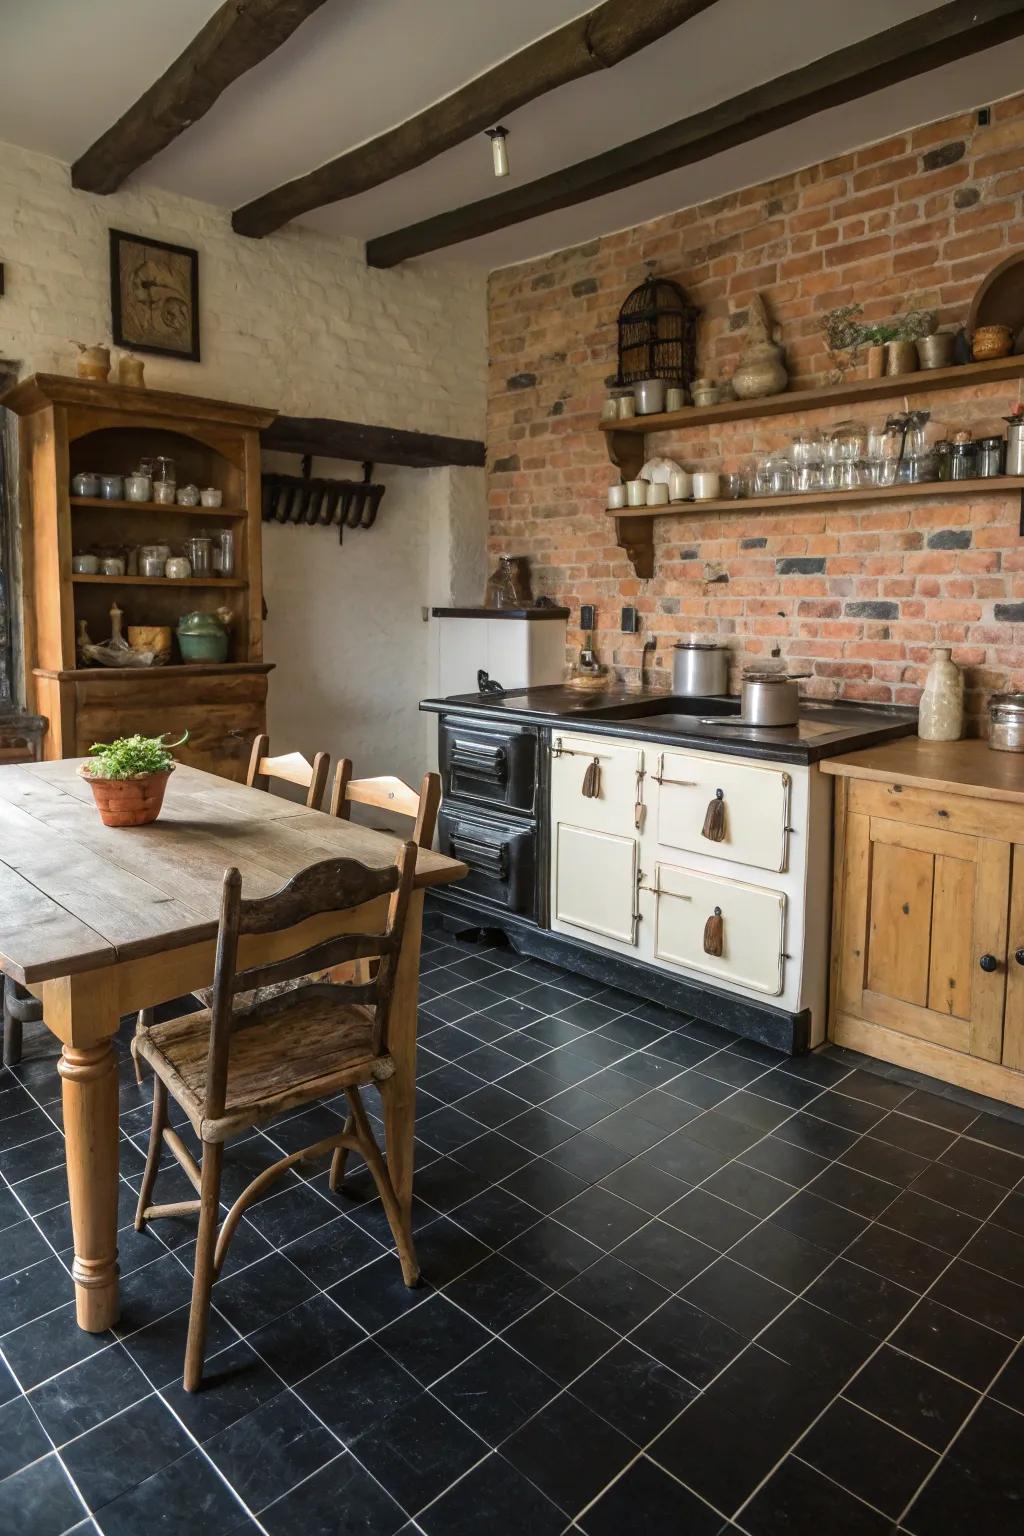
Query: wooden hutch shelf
[[159, 581], [155, 506], [627, 449], [71, 425]]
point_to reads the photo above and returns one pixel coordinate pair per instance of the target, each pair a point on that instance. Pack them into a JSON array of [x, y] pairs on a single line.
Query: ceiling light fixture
[[499, 150]]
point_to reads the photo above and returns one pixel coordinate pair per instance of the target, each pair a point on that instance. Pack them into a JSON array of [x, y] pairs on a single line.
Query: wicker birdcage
[[658, 334]]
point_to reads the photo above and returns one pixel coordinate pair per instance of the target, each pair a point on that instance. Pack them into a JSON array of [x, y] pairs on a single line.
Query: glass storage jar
[[990, 457], [963, 461]]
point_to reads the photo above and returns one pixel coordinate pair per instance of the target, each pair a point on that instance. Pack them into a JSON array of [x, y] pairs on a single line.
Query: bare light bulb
[[499, 150]]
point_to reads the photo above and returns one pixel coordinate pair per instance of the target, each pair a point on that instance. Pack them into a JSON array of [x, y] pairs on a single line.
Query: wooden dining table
[[98, 922]]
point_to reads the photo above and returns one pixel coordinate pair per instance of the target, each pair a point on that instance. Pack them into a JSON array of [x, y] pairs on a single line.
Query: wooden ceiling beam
[[598, 40], [239, 35], [925, 42]]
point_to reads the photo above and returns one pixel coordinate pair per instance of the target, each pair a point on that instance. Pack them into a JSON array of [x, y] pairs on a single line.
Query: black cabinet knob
[[989, 963], [1019, 957]]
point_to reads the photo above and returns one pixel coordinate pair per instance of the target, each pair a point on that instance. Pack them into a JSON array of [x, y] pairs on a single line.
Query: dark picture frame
[[154, 296]]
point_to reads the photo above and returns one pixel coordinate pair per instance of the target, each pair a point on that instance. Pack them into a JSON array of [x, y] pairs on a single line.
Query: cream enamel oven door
[[619, 783], [755, 800], [595, 881], [753, 927]]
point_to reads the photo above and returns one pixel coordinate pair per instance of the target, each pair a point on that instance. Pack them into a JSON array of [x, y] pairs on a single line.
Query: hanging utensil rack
[[310, 502]]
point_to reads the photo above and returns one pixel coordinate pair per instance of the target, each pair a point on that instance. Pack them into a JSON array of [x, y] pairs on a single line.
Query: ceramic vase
[[941, 714], [761, 370]]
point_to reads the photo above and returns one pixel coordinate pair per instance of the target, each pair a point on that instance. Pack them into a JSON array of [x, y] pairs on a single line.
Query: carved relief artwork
[[154, 296]]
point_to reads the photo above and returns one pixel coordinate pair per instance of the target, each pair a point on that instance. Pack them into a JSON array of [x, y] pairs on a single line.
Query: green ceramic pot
[[202, 637]]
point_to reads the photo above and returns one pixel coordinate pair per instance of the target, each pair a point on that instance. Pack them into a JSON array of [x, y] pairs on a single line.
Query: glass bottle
[[941, 711]]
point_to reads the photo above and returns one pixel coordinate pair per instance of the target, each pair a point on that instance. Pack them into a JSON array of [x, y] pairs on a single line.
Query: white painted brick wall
[[299, 323]]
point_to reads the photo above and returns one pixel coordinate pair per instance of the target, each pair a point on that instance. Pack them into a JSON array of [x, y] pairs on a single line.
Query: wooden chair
[[389, 794], [292, 768], [20, 1008], [232, 1068]]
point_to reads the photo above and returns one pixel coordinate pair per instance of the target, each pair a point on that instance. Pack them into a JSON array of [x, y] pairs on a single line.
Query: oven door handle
[[484, 858]]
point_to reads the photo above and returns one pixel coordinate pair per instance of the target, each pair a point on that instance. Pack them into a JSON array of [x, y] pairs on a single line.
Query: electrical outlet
[[630, 621], [588, 617]]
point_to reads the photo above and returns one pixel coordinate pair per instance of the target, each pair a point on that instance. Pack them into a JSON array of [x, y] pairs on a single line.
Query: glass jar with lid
[[990, 457], [963, 460]]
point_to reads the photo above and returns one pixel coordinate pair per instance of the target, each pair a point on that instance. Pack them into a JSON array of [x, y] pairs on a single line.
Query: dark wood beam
[[923, 43], [598, 40], [324, 438], [240, 34]]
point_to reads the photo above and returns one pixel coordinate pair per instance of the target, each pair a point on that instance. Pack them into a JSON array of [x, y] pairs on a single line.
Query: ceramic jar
[[680, 485], [85, 565], [675, 398], [636, 493], [112, 565], [761, 369], [130, 370], [202, 637], [616, 497], [112, 487], [85, 484], [941, 713], [705, 485], [657, 494], [93, 362], [650, 397], [991, 341], [210, 496]]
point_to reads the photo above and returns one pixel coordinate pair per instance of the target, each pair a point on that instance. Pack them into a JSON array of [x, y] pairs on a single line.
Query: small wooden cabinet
[[928, 911], [72, 425]]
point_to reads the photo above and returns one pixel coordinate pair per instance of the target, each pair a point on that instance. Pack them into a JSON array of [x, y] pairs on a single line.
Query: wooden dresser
[[70, 425], [928, 911]]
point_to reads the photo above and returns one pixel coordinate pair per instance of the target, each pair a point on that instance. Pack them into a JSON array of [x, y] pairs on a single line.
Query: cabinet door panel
[[1013, 1037], [921, 909], [901, 915], [756, 802], [753, 927], [612, 808], [595, 880]]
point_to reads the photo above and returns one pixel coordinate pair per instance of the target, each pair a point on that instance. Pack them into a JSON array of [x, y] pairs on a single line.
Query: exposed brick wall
[[859, 594]]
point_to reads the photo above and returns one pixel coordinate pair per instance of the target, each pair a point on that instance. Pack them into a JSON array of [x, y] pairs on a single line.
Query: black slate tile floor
[[672, 1280]]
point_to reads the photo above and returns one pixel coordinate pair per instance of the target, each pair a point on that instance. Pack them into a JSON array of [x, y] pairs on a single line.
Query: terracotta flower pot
[[128, 802]]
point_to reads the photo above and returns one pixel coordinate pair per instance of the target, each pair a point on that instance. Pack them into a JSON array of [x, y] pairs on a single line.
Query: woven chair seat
[[302, 1049]]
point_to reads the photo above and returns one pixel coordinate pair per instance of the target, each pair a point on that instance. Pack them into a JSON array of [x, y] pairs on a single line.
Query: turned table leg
[[90, 1094], [398, 1093]]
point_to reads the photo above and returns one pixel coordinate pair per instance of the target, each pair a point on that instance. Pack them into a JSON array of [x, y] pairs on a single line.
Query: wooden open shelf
[[627, 449], [932, 489], [160, 581], [155, 506]]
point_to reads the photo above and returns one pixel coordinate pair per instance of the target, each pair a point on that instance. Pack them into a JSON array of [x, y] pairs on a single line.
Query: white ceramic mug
[[616, 496], [636, 493], [657, 494], [705, 485], [680, 485]]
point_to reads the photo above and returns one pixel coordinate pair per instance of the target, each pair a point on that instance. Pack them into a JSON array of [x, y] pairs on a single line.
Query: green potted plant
[[128, 778], [876, 338]]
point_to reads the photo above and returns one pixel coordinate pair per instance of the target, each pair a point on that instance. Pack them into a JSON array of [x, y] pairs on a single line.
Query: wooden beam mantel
[[923, 43], [323, 437], [239, 34], [600, 39]]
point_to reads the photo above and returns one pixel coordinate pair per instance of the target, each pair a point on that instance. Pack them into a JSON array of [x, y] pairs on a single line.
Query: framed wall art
[[154, 296]]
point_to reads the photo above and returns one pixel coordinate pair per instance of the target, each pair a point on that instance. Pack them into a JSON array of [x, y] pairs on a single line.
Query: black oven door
[[493, 765], [501, 856]]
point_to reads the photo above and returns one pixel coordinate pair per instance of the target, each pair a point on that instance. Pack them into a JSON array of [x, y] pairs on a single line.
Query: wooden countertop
[[954, 767]]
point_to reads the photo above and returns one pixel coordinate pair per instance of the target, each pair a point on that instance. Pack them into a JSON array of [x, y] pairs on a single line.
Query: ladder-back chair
[[291, 768], [231, 1069]]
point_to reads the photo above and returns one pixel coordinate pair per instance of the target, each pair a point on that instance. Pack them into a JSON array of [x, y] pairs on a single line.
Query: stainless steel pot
[[1006, 714], [766, 699], [700, 669]]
